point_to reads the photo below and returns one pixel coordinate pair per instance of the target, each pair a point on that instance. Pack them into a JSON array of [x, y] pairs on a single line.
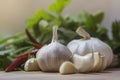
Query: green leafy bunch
[[11, 47], [115, 42], [42, 21]]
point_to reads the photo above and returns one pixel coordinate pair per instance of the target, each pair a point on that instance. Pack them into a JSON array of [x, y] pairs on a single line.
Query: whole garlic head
[[90, 44], [51, 56]]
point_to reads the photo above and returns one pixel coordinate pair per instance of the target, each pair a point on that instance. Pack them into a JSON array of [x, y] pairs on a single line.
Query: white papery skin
[[83, 47]]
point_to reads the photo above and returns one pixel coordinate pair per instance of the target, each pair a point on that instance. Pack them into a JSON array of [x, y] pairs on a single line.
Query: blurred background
[[14, 13]]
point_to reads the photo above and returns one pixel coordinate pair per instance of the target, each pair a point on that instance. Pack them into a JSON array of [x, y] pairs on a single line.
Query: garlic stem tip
[[55, 36], [80, 31]]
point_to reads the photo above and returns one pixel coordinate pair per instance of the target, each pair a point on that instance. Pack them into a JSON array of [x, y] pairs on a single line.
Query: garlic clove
[[31, 65], [67, 68], [104, 63], [90, 61], [99, 66], [83, 63], [96, 60]]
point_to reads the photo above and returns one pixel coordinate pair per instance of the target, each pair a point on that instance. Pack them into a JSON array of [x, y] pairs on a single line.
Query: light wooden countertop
[[110, 74]]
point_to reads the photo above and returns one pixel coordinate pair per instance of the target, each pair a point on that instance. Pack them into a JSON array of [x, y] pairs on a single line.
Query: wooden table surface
[[110, 74]]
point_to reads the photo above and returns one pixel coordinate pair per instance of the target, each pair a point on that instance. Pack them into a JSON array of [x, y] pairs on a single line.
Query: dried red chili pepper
[[16, 63], [20, 60]]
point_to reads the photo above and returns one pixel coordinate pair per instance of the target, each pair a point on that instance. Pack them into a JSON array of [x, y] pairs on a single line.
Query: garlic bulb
[[90, 44], [51, 56], [31, 65]]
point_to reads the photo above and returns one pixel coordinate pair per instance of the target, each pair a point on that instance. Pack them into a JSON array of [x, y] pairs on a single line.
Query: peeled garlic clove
[[83, 63], [31, 65], [67, 68]]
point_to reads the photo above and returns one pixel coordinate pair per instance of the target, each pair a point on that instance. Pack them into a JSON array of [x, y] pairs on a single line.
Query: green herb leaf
[[98, 17], [58, 6], [101, 32], [67, 33], [87, 20], [40, 14], [116, 30]]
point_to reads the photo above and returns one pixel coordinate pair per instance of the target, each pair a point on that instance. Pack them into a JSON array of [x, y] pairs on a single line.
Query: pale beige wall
[[14, 13]]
